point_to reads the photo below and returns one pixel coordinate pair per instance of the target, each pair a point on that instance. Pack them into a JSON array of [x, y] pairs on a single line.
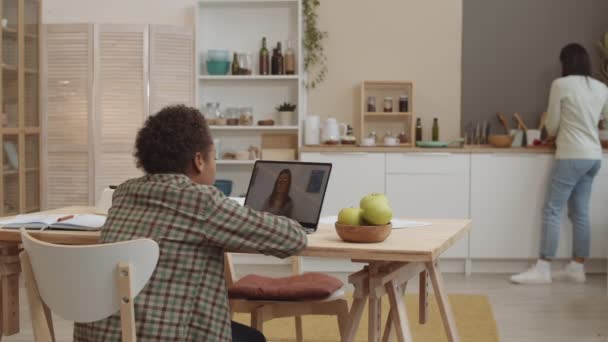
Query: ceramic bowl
[[368, 142], [391, 141], [218, 55]]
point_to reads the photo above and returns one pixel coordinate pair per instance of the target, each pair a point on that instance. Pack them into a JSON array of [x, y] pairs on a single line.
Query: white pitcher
[[331, 131]]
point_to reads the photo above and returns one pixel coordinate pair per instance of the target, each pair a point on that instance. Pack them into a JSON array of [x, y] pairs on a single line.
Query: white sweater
[[576, 104]]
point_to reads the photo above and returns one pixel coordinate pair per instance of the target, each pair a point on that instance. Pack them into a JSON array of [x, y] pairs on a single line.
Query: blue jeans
[[571, 182]]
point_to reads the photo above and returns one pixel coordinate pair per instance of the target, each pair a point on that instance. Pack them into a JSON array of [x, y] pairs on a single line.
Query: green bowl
[[218, 67]]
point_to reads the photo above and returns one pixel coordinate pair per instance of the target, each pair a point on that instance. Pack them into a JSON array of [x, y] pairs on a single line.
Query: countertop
[[398, 149]]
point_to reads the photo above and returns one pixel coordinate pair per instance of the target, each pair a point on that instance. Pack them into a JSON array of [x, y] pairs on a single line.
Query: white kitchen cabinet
[[599, 216], [507, 194], [430, 186], [353, 175]]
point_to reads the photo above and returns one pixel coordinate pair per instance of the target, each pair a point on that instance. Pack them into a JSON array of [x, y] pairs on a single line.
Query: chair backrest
[[79, 283]]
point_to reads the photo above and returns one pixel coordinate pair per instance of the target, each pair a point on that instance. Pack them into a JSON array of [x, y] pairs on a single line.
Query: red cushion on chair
[[307, 286]]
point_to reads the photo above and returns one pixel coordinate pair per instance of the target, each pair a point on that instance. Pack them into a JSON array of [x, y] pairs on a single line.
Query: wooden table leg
[[354, 318], [447, 316], [423, 300], [375, 318], [398, 312], [10, 269], [389, 329]]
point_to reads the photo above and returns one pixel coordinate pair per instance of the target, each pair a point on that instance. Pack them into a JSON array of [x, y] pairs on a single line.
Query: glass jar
[[403, 104], [371, 104], [232, 116], [246, 116], [388, 104], [245, 63]]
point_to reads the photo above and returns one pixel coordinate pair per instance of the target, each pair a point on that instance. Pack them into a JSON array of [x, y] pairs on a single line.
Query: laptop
[[292, 189]]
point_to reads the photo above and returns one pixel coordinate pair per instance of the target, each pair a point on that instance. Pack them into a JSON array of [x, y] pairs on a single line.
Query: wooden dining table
[[388, 268]]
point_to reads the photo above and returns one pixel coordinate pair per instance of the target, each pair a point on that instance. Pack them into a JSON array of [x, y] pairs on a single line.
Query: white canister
[[312, 130]]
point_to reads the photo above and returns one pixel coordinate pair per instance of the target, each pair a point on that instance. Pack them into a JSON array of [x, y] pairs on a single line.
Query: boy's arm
[[231, 226]]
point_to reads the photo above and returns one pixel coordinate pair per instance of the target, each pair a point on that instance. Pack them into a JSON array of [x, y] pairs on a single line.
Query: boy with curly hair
[[193, 223]]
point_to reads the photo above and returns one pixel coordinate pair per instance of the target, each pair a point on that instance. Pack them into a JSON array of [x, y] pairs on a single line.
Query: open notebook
[[55, 222]]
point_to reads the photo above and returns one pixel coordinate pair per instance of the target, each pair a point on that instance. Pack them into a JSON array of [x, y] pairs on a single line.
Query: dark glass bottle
[[264, 59], [418, 129], [235, 65], [277, 60], [435, 129]]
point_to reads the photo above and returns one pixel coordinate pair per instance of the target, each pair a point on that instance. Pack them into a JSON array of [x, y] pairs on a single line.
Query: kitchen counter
[[397, 149], [386, 149]]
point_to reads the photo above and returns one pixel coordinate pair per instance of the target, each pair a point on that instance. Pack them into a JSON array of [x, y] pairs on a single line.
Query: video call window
[[291, 190]]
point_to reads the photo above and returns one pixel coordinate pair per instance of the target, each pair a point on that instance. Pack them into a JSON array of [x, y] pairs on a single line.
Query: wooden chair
[[85, 283], [262, 311]]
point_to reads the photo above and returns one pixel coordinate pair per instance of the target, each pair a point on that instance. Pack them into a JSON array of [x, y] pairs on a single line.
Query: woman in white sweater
[[576, 105]]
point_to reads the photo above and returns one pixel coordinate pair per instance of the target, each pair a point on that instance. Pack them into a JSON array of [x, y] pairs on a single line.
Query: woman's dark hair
[[169, 140], [575, 60], [276, 183]]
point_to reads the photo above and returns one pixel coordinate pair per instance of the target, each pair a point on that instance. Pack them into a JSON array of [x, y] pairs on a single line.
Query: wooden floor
[[559, 312]]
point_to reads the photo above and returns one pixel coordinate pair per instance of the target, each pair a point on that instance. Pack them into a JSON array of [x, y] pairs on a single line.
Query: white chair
[[85, 283]]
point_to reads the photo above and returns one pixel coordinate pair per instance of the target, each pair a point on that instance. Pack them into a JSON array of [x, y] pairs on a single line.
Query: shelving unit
[[20, 132], [254, 128], [382, 122], [248, 77], [248, 22]]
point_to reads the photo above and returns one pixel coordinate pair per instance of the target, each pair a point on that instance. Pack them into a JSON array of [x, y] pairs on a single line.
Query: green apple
[[351, 216], [376, 209], [372, 198]]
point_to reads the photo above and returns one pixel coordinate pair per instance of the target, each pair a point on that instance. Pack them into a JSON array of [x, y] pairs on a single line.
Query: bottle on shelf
[[235, 65], [418, 129], [277, 60], [264, 59], [290, 60], [435, 129]]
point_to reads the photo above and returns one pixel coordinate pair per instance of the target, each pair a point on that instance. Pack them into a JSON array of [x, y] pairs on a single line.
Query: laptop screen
[[291, 189]]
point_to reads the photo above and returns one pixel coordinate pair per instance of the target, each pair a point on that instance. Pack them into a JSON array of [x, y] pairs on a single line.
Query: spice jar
[[402, 138], [371, 104], [388, 104], [246, 118], [403, 104]]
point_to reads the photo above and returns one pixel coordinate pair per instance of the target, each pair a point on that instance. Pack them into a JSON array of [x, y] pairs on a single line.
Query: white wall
[[417, 40], [413, 40], [167, 12]]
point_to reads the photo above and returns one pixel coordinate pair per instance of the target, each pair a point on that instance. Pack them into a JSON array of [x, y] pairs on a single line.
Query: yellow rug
[[473, 313]]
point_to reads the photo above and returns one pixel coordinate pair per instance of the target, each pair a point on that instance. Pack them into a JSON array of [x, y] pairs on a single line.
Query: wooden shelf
[[220, 2], [248, 77], [372, 114], [254, 128], [234, 162]]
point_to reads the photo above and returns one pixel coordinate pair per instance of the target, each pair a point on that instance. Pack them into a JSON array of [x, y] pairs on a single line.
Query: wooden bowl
[[363, 234], [501, 140]]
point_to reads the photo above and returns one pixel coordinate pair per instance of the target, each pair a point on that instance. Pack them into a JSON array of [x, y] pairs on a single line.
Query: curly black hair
[[169, 140]]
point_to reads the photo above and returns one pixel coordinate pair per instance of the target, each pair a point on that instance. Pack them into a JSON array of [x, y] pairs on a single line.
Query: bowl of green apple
[[369, 223]]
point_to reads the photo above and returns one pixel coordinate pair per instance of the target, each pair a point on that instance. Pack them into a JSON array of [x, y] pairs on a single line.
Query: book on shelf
[[85, 222]]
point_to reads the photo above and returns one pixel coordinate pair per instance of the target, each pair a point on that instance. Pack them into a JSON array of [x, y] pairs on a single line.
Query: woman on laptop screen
[[279, 202]]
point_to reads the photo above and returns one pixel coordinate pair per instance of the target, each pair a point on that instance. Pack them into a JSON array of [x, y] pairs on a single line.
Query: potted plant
[[286, 113]]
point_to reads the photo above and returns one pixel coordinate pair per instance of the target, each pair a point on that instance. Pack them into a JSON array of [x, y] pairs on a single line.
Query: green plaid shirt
[[186, 297]]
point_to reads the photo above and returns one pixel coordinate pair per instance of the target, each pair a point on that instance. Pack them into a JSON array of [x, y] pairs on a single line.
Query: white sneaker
[[540, 273], [574, 272]]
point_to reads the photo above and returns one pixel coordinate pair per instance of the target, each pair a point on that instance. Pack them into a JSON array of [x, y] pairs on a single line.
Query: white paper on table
[[397, 223], [239, 200]]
